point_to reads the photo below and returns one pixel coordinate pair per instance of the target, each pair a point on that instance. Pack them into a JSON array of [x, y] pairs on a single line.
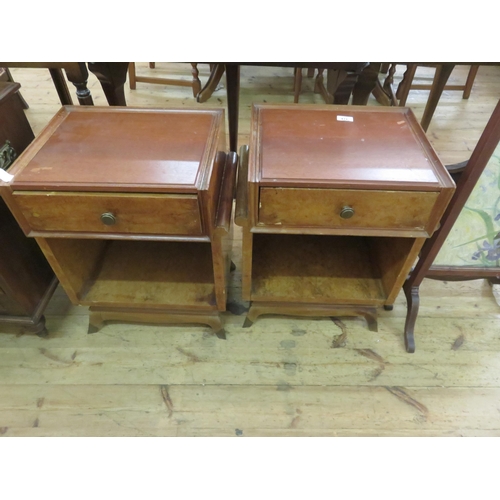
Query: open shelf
[[147, 274], [319, 269]]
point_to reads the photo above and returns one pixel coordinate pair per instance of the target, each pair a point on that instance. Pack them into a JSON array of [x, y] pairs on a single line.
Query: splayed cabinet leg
[[413, 302]]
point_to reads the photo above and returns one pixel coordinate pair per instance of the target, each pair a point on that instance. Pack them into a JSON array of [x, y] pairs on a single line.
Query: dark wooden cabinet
[[26, 279]]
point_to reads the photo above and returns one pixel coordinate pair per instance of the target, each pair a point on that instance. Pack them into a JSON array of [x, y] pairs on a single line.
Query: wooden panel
[[137, 213], [75, 262], [405, 210]]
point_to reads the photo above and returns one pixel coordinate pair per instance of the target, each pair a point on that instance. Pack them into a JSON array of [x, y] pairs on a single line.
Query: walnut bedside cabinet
[[132, 208], [335, 204], [27, 282]]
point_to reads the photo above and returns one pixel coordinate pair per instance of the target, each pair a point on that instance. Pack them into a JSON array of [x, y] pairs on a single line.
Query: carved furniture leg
[[413, 302], [78, 75], [99, 316], [213, 80], [196, 80], [405, 84], [311, 310], [388, 82], [112, 77]]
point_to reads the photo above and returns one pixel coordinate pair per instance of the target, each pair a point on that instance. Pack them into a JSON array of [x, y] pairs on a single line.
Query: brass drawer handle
[[346, 212], [108, 219]]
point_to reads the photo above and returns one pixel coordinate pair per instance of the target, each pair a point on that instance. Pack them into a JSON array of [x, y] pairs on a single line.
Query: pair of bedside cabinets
[[133, 209]]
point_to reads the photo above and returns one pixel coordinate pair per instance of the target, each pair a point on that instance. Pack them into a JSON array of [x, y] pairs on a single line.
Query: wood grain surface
[[283, 376]]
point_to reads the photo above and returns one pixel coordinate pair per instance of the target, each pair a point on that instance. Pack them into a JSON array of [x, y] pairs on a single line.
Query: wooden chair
[[195, 83], [467, 244], [407, 84], [339, 84]]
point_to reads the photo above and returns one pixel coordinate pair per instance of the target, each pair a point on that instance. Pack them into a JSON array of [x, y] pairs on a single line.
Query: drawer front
[[346, 208], [111, 213]]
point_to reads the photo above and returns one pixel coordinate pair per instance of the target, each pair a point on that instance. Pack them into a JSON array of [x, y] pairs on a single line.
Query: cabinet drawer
[[111, 212], [371, 209]]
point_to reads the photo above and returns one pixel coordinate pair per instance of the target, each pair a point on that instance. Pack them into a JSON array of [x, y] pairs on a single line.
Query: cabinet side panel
[[394, 258], [75, 262]]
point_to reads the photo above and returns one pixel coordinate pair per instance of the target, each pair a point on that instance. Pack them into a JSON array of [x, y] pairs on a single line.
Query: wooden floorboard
[[283, 376]]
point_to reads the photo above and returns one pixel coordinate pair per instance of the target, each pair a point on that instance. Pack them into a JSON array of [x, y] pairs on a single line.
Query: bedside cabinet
[[335, 204], [26, 280], [132, 208]]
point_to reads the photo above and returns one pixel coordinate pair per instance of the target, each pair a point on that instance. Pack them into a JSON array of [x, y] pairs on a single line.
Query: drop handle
[[346, 212], [108, 219]]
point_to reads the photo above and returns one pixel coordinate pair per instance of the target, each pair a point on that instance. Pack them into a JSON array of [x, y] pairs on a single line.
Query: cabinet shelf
[[324, 269], [148, 274]]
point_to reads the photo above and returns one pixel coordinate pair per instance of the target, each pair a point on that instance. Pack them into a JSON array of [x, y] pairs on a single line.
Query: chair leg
[[470, 80], [297, 84], [131, 76], [405, 84], [196, 80]]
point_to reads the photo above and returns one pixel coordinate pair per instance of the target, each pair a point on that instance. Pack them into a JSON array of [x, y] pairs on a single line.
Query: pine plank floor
[[283, 376]]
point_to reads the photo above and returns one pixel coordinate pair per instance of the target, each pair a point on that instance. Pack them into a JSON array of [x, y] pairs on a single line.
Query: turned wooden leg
[[78, 75], [413, 302], [196, 79]]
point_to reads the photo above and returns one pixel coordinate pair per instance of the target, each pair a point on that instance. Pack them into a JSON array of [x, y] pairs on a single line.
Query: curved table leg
[[213, 80], [413, 302], [112, 77]]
